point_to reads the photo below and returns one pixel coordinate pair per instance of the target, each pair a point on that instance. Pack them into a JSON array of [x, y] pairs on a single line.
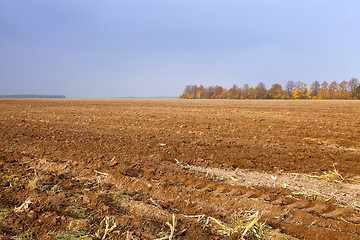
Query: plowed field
[[125, 169]]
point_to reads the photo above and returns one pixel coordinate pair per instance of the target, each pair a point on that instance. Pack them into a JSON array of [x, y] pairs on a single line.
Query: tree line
[[292, 90]]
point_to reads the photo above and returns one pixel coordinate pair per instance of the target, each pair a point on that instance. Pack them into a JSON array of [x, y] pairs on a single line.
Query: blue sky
[[150, 48]]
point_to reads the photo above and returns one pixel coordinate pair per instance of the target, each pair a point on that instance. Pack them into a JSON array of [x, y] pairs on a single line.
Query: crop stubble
[[140, 161]]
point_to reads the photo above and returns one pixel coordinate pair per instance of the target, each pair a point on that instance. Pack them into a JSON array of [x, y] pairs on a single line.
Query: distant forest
[[31, 96], [292, 90]]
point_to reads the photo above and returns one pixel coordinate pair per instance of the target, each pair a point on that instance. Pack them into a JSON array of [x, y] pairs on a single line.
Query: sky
[[154, 48]]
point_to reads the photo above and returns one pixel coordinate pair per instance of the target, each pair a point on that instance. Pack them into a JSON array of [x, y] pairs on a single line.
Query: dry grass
[[246, 225], [334, 175], [33, 184]]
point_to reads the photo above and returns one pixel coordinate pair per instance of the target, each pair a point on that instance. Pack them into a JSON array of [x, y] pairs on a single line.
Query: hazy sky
[[149, 48]]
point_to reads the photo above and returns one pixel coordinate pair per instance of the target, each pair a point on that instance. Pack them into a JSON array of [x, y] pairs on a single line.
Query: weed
[[56, 189], [122, 199], [82, 215], [237, 222], [121, 196], [4, 214], [74, 235], [24, 236], [260, 231], [14, 180], [253, 229], [80, 207], [77, 198], [163, 234]]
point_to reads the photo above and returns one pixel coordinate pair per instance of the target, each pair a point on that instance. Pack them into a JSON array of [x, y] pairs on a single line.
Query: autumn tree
[[324, 90], [333, 88], [205, 92], [211, 91], [301, 91], [245, 91], [298, 94], [315, 87], [276, 91], [225, 94], [290, 88], [217, 92], [343, 90], [260, 91], [186, 91], [357, 91], [189, 92], [252, 94], [353, 84], [234, 92], [300, 85]]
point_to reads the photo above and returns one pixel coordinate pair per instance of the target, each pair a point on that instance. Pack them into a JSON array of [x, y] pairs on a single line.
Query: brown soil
[[138, 162]]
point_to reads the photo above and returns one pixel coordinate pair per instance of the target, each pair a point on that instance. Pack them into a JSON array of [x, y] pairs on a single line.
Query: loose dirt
[[121, 169]]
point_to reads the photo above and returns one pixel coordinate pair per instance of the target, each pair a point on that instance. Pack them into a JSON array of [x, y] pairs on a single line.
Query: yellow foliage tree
[[298, 94], [307, 95]]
